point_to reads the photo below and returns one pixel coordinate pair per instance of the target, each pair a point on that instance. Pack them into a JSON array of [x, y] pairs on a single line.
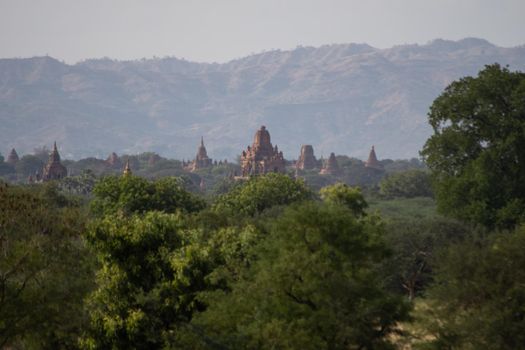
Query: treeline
[[273, 263], [210, 181]]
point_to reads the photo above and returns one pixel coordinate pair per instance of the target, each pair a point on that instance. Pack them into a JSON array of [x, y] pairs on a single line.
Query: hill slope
[[340, 98]]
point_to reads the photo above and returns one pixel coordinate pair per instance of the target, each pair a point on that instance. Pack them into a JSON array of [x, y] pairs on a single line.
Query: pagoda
[[12, 158], [330, 167], [372, 162], [201, 159], [307, 159], [54, 170], [261, 157]]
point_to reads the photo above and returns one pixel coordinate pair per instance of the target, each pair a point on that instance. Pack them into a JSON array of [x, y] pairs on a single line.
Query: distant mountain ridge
[[342, 98]]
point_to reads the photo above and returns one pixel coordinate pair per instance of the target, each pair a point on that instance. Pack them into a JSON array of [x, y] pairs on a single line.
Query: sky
[[221, 30]]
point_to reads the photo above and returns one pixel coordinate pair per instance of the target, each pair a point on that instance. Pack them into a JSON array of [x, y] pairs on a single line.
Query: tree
[[478, 299], [260, 193], [133, 194], [146, 286], [310, 284], [45, 269], [342, 194], [407, 184], [476, 152]]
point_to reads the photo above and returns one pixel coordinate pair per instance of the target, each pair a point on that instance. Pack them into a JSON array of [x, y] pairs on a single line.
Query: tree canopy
[[133, 194], [476, 152], [260, 193]]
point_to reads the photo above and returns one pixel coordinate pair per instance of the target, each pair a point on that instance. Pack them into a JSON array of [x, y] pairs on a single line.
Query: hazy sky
[[220, 30]]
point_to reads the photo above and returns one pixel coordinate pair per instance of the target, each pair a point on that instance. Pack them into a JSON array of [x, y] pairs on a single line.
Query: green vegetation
[[99, 261], [406, 184], [476, 153]]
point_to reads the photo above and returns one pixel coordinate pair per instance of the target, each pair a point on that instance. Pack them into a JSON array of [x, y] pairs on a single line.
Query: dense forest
[[428, 254]]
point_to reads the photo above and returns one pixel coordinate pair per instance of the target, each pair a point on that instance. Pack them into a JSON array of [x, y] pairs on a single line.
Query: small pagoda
[[372, 162], [306, 159], [54, 170], [12, 158], [201, 159], [330, 167]]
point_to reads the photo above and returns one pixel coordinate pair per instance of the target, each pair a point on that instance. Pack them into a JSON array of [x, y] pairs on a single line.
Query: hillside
[[340, 98]]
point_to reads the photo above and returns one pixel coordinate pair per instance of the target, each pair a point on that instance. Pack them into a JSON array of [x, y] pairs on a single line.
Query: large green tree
[[310, 284], [476, 152]]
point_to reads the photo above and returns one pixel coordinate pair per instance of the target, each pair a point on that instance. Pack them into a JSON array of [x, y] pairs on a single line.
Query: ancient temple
[[261, 157], [330, 167], [307, 159], [372, 161], [113, 160], [201, 159], [12, 158], [54, 170]]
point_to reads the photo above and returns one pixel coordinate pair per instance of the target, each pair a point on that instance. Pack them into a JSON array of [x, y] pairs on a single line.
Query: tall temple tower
[[54, 170], [372, 161], [201, 159], [307, 159], [261, 157]]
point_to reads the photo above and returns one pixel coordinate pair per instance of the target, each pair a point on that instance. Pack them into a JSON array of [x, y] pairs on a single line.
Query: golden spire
[[127, 169]]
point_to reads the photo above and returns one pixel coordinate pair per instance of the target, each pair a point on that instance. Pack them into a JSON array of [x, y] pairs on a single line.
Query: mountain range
[[340, 98]]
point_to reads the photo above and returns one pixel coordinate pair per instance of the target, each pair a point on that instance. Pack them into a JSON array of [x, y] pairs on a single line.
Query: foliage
[[413, 244], [476, 152], [311, 286], [404, 208], [478, 299], [133, 194], [260, 193], [407, 184], [150, 272], [45, 269], [82, 184], [341, 194]]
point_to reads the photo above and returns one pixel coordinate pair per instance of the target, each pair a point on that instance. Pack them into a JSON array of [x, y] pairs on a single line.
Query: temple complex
[[330, 167], [307, 159], [201, 159], [261, 157], [12, 158], [54, 170], [372, 161]]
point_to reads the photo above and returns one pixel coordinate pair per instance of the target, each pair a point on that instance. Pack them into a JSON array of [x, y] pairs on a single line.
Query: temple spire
[[127, 169], [372, 161]]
